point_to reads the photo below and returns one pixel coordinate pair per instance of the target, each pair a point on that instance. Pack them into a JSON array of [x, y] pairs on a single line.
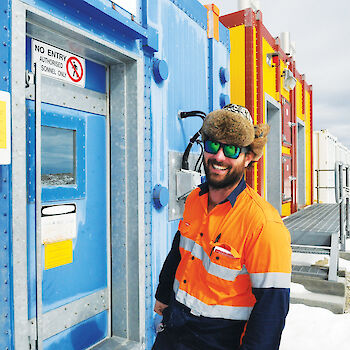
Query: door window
[[62, 153], [58, 156]]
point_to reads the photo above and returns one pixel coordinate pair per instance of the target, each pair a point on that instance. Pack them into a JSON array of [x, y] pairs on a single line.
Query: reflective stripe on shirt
[[197, 251], [216, 311], [270, 280]]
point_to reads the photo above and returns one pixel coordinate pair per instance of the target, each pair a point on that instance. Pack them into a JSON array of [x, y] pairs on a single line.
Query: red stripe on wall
[[249, 75], [260, 93], [292, 96], [311, 140]]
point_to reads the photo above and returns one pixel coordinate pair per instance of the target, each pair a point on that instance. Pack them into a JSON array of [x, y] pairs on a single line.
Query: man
[[225, 283]]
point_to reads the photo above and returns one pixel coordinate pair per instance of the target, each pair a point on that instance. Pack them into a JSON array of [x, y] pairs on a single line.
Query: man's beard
[[231, 178]]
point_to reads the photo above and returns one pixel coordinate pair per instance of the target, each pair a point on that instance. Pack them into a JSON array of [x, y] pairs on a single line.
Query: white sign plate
[[58, 223], [5, 128], [58, 64]]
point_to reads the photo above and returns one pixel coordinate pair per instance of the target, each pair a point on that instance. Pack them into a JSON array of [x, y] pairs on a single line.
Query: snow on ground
[[314, 328], [300, 259]]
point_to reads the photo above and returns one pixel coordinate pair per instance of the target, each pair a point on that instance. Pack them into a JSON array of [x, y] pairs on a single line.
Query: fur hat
[[234, 125], [260, 138]]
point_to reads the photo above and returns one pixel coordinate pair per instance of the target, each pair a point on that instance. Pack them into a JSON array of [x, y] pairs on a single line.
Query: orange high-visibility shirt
[[241, 244]]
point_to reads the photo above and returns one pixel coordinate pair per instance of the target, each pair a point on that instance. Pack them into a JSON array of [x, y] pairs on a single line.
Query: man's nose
[[220, 156]]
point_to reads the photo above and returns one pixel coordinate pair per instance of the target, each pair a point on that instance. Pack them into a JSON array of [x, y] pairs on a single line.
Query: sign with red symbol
[[58, 64], [75, 69]]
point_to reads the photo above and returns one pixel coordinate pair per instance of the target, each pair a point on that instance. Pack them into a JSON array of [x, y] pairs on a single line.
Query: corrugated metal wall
[[5, 190]]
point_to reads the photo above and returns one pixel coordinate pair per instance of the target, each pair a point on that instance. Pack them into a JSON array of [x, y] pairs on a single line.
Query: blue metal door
[[67, 223]]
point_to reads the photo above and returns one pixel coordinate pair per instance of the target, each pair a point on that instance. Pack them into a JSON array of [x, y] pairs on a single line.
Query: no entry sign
[[58, 64]]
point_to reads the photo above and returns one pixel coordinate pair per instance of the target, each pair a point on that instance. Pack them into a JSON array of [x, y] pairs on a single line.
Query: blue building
[[91, 147]]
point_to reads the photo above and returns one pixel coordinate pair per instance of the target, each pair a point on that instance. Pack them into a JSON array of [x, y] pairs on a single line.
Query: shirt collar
[[204, 188]]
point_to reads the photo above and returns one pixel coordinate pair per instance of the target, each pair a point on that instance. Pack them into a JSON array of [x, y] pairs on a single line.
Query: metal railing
[[318, 187], [342, 196]]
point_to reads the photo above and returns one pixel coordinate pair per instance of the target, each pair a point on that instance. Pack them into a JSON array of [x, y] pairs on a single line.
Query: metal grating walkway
[[311, 271], [314, 225]]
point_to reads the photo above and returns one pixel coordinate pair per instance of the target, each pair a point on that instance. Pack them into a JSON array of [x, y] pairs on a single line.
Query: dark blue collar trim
[[204, 188], [235, 193]]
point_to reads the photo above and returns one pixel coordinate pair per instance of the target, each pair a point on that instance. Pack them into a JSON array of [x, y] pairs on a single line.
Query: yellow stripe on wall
[[308, 146], [269, 72], [237, 65], [286, 209], [299, 100], [58, 254], [285, 150], [2, 124]]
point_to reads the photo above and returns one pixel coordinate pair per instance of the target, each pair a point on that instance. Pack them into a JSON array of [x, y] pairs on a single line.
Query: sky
[[321, 32]]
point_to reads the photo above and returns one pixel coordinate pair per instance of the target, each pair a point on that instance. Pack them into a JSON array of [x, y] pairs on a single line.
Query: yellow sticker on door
[[58, 254], [2, 124]]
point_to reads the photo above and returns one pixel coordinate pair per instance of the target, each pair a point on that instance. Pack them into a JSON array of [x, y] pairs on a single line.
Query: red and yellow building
[[264, 78]]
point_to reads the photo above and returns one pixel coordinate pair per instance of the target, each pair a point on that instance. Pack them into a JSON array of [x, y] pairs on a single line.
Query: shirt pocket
[[223, 266]]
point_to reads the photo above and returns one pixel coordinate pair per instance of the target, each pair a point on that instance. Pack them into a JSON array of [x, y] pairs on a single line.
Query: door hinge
[[33, 339], [33, 345], [29, 78]]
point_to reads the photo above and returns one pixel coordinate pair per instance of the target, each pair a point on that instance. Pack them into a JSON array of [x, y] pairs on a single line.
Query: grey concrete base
[[117, 343], [320, 286], [344, 255], [333, 303]]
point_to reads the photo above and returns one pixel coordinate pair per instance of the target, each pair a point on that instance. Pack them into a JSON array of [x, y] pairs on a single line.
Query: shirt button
[[185, 281], [192, 258], [217, 258], [201, 234]]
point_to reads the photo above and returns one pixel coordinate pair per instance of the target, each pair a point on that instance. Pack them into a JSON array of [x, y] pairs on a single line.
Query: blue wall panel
[[81, 336], [219, 58], [149, 301], [97, 20], [184, 48], [6, 313], [193, 83]]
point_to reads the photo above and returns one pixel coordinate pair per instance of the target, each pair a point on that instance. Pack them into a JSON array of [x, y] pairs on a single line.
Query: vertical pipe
[[318, 184], [278, 73], [210, 76], [347, 182], [260, 94], [38, 205], [311, 145], [336, 174], [292, 95], [108, 203], [341, 206], [249, 75]]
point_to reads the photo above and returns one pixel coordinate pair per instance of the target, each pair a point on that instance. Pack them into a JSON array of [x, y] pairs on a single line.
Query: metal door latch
[[292, 178], [29, 78]]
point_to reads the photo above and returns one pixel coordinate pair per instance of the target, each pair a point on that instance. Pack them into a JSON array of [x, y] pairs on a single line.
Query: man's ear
[[248, 158]]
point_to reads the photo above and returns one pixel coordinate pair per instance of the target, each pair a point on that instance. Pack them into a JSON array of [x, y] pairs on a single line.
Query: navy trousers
[[185, 331]]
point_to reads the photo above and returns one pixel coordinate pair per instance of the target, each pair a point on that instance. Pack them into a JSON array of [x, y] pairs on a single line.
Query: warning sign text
[[58, 64]]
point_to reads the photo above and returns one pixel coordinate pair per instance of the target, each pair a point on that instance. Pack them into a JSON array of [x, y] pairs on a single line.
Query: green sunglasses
[[230, 151]]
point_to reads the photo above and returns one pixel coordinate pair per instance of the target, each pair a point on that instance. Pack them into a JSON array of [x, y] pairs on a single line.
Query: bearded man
[[225, 283]]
